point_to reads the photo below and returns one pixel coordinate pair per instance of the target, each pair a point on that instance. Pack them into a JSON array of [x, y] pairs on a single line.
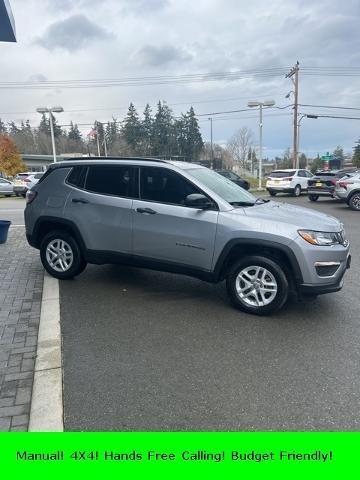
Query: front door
[[164, 228]]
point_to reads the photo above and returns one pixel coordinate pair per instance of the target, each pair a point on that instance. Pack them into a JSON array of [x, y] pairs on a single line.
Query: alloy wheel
[[256, 286], [59, 255]]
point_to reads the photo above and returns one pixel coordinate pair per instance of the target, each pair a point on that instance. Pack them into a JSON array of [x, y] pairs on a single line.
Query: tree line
[[161, 134]]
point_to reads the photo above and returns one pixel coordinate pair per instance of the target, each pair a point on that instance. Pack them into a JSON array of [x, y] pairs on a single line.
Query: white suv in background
[[288, 181]]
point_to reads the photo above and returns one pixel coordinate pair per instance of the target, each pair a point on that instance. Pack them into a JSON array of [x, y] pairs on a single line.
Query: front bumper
[[334, 286]]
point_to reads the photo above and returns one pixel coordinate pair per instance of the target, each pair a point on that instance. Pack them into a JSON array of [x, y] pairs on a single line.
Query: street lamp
[[305, 115], [50, 111], [266, 103]]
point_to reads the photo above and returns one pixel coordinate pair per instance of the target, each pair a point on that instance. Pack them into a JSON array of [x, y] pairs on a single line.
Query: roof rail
[[148, 159]]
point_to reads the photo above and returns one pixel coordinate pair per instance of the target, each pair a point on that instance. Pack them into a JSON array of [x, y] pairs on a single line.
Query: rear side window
[[116, 180], [77, 176], [38, 176], [46, 174]]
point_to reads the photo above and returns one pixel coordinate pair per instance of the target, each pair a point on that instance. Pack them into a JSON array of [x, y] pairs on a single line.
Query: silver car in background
[[6, 187], [348, 189]]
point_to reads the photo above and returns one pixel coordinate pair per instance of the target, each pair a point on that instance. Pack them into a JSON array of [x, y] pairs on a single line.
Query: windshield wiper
[[261, 200]]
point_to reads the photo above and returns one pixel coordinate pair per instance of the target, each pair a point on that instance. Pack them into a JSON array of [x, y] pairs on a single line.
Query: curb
[[46, 413]]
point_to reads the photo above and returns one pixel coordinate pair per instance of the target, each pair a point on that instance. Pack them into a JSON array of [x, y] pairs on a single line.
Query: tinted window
[[115, 180], [302, 173], [280, 174], [166, 186], [77, 176]]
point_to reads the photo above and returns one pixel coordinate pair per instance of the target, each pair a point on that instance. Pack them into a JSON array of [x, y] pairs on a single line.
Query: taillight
[[26, 180], [288, 178], [333, 182], [343, 185], [30, 196]]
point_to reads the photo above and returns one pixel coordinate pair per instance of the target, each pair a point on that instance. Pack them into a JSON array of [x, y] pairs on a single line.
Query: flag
[[92, 133]]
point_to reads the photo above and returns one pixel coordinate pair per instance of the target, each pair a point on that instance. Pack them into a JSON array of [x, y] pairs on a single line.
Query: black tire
[[272, 193], [297, 191], [17, 194], [7, 195], [354, 201], [271, 266], [78, 264], [313, 198]]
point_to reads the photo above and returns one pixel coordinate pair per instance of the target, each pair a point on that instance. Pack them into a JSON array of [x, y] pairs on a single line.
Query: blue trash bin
[[4, 228]]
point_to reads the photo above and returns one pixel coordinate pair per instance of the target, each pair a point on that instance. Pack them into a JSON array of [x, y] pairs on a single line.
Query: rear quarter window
[[77, 176]]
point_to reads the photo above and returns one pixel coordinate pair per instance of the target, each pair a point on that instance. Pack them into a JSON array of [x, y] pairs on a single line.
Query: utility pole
[[294, 75], [211, 144]]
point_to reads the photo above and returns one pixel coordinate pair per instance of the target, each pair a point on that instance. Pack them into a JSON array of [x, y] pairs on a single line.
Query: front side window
[[116, 180], [165, 186]]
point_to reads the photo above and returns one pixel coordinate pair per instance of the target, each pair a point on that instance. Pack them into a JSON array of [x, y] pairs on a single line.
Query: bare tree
[[239, 145]]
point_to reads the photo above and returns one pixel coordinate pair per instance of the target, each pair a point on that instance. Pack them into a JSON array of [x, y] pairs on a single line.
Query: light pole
[[50, 111], [211, 144], [266, 103], [305, 115]]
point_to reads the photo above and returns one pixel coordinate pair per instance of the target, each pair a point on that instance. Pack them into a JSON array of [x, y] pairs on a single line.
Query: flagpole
[[97, 139]]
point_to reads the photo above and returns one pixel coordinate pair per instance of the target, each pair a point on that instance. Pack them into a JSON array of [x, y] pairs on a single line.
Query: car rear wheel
[[297, 191], [61, 256], [257, 285], [354, 201], [313, 198], [272, 193]]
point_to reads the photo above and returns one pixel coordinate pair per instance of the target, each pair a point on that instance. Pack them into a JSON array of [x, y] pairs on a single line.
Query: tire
[[23, 195], [297, 191], [313, 198], [354, 201], [72, 255], [7, 195], [251, 302], [272, 193]]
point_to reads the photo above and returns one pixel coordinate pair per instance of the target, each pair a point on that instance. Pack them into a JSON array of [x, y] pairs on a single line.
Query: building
[[39, 163]]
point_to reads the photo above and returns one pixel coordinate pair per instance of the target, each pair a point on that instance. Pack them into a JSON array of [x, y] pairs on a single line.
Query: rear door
[[164, 229], [100, 204]]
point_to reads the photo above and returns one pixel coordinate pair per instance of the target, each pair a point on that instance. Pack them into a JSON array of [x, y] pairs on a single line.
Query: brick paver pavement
[[21, 283]]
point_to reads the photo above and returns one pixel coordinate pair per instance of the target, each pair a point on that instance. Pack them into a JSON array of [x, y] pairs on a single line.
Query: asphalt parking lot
[[12, 209], [145, 350]]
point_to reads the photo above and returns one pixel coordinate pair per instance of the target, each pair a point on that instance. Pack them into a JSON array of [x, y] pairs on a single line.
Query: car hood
[[300, 217]]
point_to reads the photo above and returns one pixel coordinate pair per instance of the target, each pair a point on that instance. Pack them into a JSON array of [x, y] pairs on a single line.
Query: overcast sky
[[92, 39]]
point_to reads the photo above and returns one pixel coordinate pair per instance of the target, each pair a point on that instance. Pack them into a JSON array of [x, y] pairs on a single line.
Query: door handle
[[146, 210], [80, 200]]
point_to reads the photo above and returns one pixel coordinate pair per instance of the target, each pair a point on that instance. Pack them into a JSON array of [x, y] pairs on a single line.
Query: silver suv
[[183, 218], [348, 189]]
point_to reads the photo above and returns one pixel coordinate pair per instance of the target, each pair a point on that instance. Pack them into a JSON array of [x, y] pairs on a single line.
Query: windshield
[[224, 188]]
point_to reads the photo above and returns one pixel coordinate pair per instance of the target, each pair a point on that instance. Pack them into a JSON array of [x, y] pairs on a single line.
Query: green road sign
[[327, 157]]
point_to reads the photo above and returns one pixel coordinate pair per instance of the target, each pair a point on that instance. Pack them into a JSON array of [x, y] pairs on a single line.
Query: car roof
[[123, 160]]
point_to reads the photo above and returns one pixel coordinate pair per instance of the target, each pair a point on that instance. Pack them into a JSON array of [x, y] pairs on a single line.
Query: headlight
[[322, 238]]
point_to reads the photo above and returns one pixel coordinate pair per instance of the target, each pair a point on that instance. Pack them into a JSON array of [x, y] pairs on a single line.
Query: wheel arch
[[46, 224], [238, 248]]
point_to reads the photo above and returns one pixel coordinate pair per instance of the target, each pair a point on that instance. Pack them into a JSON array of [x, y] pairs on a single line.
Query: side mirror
[[197, 200]]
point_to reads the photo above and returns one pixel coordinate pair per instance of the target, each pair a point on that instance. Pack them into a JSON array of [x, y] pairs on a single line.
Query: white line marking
[[46, 414]]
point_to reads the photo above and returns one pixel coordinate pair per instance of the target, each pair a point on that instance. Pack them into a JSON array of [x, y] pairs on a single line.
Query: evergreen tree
[[356, 156], [74, 133], [194, 142], [146, 131], [3, 128], [338, 152], [131, 129], [163, 131]]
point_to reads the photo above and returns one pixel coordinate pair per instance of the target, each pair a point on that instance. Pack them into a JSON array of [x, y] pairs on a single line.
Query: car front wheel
[[257, 285], [61, 256], [297, 191], [354, 202], [313, 198]]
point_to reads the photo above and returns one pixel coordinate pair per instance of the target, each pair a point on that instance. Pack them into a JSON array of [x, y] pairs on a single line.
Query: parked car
[[292, 181], [24, 181], [6, 187], [33, 179], [323, 183], [183, 218], [348, 189], [234, 178]]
